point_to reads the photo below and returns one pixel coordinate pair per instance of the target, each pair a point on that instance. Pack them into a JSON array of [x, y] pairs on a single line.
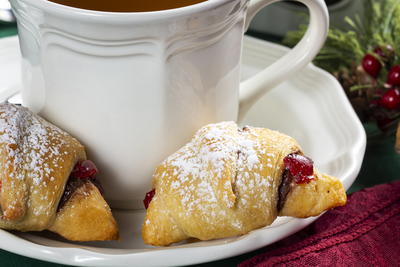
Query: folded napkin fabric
[[365, 232]]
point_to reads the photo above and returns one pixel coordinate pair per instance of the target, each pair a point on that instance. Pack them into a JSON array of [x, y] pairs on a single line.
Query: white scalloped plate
[[310, 106]]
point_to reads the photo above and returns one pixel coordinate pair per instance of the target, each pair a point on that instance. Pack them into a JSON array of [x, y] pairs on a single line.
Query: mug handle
[[304, 52]]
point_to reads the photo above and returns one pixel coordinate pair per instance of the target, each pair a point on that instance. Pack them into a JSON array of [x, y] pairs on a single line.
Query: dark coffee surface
[[127, 5]]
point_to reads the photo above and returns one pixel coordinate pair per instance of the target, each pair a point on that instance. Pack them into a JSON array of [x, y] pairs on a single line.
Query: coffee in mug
[[127, 5]]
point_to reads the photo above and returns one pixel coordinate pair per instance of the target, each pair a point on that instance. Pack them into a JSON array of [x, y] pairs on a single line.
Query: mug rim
[[107, 16]]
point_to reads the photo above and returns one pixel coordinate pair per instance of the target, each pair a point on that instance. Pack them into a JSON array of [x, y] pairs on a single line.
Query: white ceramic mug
[[134, 87]]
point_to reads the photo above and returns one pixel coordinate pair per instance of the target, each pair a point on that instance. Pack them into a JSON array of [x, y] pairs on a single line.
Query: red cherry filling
[[84, 170], [300, 167], [147, 199]]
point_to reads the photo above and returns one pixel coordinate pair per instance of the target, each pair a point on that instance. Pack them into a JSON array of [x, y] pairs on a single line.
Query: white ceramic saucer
[[310, 106]]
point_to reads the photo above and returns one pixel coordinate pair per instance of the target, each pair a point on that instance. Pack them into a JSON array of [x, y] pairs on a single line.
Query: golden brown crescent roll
[[228, 181], [46, 181]]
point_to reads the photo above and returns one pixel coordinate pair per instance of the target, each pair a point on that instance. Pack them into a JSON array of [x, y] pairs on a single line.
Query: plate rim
[[86, 257]]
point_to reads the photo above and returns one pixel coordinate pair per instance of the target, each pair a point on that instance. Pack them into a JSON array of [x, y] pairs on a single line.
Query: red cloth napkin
[[365, 232]]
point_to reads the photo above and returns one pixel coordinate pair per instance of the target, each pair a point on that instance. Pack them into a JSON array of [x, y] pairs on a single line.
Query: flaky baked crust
[[225, 182], [36, 159], [323, 193], [86, 217]]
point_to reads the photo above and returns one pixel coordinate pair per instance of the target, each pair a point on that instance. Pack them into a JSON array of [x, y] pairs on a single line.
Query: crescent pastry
[[46, 181], [228, 181]]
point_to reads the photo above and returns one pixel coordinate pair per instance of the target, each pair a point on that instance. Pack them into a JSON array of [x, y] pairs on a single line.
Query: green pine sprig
[[380, 26], [342, 55]]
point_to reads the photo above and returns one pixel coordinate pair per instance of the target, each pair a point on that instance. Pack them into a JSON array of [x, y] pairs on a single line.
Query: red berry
[[385, 52], [84, 170], [391, 99], [379, 51], [301, 167], [371, 65], [147, 199], [393, 77]]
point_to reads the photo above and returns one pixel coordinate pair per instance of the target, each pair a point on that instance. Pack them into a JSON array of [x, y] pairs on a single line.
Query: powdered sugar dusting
[[235, 156], [30, 165], [25, 138], [217, 144]]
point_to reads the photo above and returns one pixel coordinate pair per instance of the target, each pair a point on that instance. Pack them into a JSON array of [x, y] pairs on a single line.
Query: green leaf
[[345, 48], [360, 87]]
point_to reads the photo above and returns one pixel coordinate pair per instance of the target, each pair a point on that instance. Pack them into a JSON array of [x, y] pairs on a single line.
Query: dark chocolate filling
[[72, 185], [288, 178], [284, 188]]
